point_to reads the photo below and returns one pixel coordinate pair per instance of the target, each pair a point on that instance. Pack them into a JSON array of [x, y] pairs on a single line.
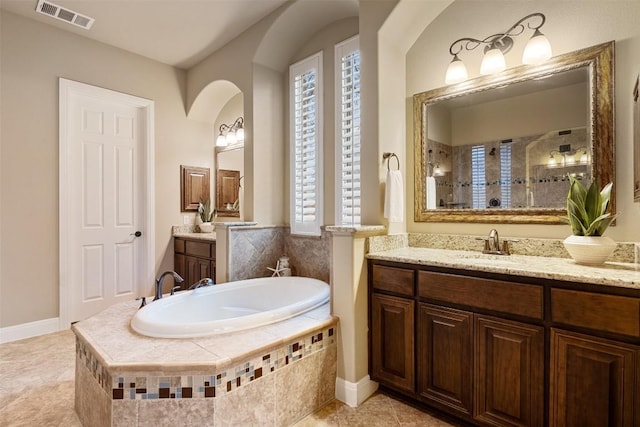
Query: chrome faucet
[[494, 241], [176, 278], [202, 283]]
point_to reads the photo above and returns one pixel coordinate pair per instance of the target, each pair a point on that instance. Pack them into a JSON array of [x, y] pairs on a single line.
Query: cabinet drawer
[[498, 295], [398, 280], [609, 313], [178, 246], [200, 249]]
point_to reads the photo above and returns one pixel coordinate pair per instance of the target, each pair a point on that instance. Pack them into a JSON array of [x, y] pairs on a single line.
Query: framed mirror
[[500, 148], [229, 194]]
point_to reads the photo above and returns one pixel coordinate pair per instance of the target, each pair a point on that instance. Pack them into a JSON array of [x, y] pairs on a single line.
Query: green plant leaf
[[577, 192], [605, 196], [604, 224], [577, 218], [592, 203], [594, 226]]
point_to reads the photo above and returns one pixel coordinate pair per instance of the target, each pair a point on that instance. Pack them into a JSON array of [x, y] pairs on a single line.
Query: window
[[347, 79], [478, 180], [305, 107], [505, 175]]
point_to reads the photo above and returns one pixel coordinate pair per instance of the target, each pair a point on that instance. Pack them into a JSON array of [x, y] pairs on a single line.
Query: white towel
[[431, 192], [394, 197]]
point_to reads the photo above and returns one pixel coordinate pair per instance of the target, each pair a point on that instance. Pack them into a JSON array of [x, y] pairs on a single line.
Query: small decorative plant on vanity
[[588, 216], [207, 215]]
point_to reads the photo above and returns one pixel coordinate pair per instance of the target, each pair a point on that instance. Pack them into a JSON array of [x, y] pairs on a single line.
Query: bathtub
[[229, 307]]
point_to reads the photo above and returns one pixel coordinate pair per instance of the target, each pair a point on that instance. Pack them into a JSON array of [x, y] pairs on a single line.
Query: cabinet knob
[[137, 234]]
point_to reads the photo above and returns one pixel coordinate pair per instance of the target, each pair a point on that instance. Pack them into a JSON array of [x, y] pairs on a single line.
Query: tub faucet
[[176, 278], [202, 283]]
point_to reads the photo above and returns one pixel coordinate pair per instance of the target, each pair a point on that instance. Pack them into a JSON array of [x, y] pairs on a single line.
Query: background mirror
[[229, 173], [512, 147], [501, 148]]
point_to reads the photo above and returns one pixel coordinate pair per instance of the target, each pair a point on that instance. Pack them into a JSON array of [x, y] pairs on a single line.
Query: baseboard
[[353, 394], [28, 330]]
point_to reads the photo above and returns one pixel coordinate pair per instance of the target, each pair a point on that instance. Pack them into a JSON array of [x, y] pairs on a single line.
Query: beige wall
[[570, 25], [33, 57], [531, 114]]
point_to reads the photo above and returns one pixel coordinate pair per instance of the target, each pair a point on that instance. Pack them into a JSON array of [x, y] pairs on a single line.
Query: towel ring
[[387, 157]]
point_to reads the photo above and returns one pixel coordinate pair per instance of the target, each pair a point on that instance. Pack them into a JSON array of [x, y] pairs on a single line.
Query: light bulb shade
[[492, 62], [231, 138], [221, 141], [456, 72], [240, 135], [552, 160], [538, 49]]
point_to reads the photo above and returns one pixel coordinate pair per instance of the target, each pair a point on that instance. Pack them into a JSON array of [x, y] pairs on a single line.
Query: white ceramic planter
[[589, 250], [206, 227]]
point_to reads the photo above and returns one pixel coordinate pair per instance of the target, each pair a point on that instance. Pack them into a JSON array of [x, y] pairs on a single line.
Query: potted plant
[[207, 215], [588, 215]]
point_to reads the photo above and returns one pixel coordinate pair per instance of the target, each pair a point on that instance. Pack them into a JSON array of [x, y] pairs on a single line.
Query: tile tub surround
[[286, 369], [252, 249]]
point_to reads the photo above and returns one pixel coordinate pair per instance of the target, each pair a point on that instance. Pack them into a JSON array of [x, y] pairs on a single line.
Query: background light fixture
[[231, 134], [537, 50]]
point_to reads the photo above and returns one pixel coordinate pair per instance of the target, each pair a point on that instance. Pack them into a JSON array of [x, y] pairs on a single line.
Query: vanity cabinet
[[505, 351], [392, 319], [194, 260]]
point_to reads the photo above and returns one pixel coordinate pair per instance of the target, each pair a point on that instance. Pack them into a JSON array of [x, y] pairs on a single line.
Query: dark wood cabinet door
[[192, 271], [592, 381], [204, 269], [392, 357], [180, 267], [445, 357], [509, 372]]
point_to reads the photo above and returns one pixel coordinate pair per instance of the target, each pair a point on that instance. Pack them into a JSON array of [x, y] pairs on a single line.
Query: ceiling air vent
[[63, 14]]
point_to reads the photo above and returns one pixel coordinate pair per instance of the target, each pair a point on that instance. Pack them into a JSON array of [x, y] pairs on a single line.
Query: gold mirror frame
[[600, 62]]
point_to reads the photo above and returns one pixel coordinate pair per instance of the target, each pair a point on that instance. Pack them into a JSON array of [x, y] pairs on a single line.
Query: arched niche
[[211, 100]]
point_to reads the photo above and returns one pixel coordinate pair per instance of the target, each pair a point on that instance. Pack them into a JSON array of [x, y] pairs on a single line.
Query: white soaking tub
[[229, 307]]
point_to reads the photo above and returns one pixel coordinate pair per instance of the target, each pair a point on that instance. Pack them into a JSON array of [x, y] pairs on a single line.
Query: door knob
[[137, 234]]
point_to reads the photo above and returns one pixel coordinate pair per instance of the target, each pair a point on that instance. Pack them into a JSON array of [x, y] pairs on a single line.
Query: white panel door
[[105, 154]]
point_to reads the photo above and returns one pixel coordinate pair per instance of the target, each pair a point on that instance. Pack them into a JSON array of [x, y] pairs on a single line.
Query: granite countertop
[[209, 237], [626, 275]]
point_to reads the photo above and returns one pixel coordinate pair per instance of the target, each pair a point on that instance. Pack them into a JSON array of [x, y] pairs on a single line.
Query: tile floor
[[37, 389]]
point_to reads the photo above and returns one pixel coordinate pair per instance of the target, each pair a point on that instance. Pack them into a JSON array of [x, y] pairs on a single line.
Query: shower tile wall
[[253, 249], [532, 182]]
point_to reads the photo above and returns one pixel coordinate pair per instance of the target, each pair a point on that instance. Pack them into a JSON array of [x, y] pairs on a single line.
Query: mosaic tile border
[[203, 386]]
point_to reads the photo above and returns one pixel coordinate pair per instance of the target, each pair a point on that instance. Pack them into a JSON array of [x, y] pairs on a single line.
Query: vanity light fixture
[[537, 50], [231, 134], [569, 158]]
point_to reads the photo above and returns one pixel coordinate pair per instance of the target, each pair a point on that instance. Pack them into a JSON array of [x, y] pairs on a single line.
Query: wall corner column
[[349, 303]]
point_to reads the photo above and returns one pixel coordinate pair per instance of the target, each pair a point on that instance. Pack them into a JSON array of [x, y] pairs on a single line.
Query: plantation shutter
[[505, 175], [478, 180], [306, 146], [348, 132]]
